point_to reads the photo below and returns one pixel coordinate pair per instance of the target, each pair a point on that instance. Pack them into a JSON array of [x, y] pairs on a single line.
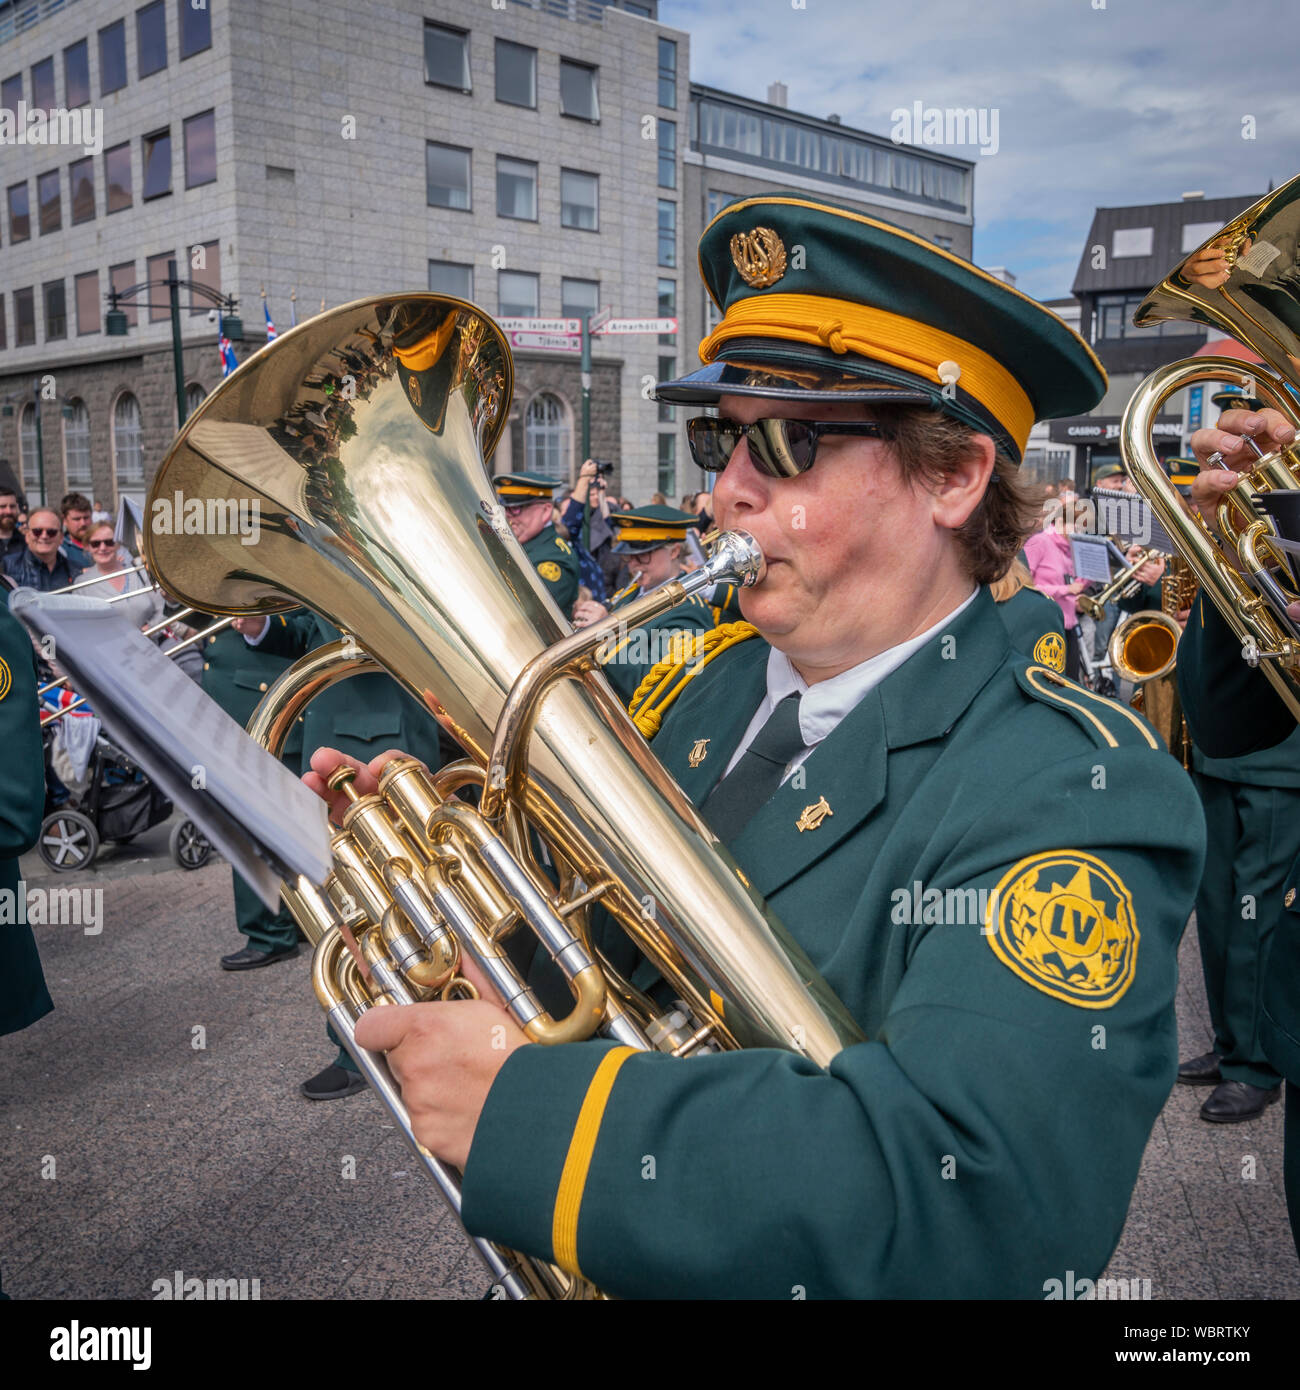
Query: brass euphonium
[[361, 438], [1245, 281]]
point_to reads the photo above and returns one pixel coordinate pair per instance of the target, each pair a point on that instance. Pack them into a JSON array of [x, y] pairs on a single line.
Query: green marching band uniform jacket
[[557, 563], [23, 995], [626, 658], [362, 716], [1034, 623], [988, 893], [237, 676], [1232, 711]]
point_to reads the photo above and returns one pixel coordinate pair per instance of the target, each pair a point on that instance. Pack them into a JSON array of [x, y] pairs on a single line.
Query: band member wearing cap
[[960, 839], [1232, 710], [527, 499], [653, 540]]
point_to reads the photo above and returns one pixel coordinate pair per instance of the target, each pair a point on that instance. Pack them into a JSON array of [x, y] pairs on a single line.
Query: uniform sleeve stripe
[[573, 1180], [1073, 704]]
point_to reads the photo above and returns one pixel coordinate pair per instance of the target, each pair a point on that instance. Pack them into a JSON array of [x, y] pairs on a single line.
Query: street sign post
[[544, 342], [568, 328]]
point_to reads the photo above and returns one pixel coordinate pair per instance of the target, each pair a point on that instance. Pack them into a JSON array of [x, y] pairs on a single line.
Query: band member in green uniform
[[237, 676], [1232, 710], [874, 744], [528, 499], [24, 997], [362, 716], [1032, 620], [653, 540]]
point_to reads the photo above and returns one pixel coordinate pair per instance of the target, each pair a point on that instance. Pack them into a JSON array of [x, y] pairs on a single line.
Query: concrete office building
[[544, 158]]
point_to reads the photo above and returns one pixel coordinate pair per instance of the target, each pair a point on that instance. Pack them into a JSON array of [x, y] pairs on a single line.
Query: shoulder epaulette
[[1107, 721], [663, 683]]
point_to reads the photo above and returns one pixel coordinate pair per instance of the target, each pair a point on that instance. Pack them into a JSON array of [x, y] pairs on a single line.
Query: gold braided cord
[[657, 691]]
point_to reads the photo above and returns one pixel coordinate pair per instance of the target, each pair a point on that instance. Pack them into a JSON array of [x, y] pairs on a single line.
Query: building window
[[86, 294], [578, 95], [20, 217], [120, 279], [667, 232], [1196, 233], [579, 200], [942, 241], [117, 178], [516, 189], [48, 202], [11, 92], [712, 314], [195, 395], [667, 73], [1113, 320], [1132, 241], [667, 154], [668, 464], [195, 25], [668, 310], [446, 172], [151, 38], [667, 371], [24, 317], [200, 149], [81, 187], [112, 58], [451, 277], [43, 97], [156, 152], [204, 262], [55, 295], [516, 74], [547, 437], [446, 57], [76, 75], [76, 447], [29, 459], [579, 299], [717, 200], [155, 268], [517, 295], [4, 333], [128, 459]]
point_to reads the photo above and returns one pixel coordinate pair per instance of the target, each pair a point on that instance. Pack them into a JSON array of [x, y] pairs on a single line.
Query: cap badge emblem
[[759, 256]]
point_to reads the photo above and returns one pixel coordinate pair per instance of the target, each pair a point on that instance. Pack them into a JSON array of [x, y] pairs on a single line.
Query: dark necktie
[[731, 805]]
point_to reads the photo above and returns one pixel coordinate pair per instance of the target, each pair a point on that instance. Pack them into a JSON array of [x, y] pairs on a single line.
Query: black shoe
[[1238, 1100], [333, 1084], [1201, 1071], [250, 958]]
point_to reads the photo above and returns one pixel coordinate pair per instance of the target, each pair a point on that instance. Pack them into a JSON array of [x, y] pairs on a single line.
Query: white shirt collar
[[824, 705]]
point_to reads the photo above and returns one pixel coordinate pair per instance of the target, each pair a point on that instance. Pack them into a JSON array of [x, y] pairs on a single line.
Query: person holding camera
[[586, 520]]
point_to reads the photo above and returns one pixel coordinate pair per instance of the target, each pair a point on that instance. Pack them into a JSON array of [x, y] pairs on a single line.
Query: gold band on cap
[[517, 490], [894, 339], [651, 533]]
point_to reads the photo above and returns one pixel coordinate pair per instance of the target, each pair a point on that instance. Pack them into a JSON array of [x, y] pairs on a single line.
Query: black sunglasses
[[778, 448], [42, 532]]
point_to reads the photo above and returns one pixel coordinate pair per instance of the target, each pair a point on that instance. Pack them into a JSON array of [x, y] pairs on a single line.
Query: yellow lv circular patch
[[1064, 922], [6, 678], [549, 570], [1049, 650]]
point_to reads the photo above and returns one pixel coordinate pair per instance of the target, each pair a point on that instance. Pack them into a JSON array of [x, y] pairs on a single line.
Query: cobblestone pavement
[[206, 1160]]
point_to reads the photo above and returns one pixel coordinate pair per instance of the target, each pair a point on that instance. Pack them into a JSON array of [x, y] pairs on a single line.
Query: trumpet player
[[875, 738]]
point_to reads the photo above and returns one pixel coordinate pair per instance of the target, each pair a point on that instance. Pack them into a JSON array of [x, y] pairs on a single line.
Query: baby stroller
[[118, 803]]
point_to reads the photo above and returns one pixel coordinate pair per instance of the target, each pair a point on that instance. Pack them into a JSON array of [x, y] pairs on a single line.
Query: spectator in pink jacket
[[1047, 553]]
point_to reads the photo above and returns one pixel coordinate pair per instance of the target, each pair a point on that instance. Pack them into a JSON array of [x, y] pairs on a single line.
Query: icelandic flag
[[270, 327], [228, 359]]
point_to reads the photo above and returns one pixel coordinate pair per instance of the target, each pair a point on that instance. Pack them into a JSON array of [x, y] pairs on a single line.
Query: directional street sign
[[640, 326], [567, 328], [547, 342], [597, 322]]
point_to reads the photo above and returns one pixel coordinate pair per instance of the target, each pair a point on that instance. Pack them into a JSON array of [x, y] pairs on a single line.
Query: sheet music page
[[254, 809]]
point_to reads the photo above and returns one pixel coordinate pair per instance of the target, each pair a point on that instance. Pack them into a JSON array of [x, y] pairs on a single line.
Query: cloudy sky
[[1137, 101]]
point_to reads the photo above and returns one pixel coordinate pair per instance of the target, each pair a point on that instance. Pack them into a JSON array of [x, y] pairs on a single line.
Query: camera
[[603, 467]]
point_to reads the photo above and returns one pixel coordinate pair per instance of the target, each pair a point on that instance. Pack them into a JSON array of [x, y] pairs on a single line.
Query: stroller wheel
[[190, 847], [69, 841]]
